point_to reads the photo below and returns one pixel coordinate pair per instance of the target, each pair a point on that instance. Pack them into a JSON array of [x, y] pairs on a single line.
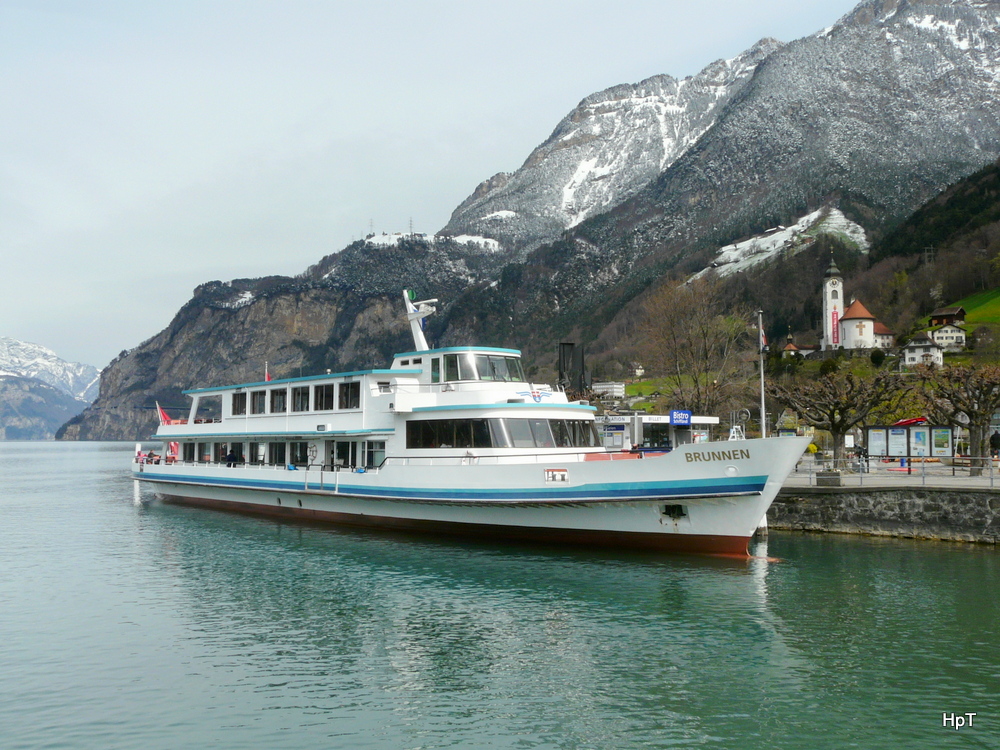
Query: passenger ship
[[457, 440]]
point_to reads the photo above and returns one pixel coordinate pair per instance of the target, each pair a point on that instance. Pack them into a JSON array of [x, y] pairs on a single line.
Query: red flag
[[173, 449], [267, 375], [164, 417]]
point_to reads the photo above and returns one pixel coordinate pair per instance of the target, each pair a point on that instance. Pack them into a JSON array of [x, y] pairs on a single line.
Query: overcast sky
[[148, 147]]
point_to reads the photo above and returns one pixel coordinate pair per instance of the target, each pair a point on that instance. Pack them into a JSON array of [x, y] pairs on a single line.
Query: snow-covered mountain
[[602, 152], [861, 122], [21, 359], [873, 115], [782, 241]]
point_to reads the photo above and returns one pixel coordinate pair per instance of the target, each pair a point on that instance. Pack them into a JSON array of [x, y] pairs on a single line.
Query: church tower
[[833, 306]]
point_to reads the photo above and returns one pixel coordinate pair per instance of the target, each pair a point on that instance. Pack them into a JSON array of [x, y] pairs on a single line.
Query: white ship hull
[[704, 498]]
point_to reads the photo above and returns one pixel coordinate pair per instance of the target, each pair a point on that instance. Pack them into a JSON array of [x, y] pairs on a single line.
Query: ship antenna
[[415, 313]]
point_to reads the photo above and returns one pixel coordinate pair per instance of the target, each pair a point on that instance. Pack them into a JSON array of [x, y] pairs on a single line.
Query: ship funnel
[[415, 313]]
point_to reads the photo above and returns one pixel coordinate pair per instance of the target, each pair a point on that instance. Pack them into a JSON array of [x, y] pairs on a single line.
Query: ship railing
[[885, 471]]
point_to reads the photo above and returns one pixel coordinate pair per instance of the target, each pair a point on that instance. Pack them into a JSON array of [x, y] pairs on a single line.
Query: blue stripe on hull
[[678, 489]]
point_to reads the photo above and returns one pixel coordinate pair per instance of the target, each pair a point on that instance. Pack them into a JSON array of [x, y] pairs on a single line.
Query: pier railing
[[876, 471]]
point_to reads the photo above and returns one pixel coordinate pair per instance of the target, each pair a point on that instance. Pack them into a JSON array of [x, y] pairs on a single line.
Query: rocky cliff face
[[344, 313]]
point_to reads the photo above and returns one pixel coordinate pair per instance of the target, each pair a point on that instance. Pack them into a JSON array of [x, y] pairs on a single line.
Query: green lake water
[[128, 624]]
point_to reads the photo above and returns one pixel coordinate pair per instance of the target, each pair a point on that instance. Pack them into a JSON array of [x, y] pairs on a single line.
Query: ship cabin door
[[342, 453]]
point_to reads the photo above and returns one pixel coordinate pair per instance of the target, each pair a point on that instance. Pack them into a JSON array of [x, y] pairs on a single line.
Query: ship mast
[[415, 313]]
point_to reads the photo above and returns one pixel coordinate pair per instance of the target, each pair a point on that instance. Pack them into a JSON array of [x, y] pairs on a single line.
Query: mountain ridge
[[870, 116]]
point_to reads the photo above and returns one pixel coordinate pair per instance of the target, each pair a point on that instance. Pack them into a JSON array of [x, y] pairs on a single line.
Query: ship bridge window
[[496, 367], [350, 395], [436, 370], [459, 367], [300, 398], [470, 366]]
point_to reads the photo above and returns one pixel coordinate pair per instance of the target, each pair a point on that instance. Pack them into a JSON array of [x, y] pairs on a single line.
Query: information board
[[896, 445], [876, 442], [941, 441]]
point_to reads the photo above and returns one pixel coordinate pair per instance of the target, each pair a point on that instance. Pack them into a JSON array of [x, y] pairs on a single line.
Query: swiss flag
[[164, 417]]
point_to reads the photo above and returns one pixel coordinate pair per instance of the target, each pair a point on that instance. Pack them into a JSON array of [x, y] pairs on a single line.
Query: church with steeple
[[849, 325]]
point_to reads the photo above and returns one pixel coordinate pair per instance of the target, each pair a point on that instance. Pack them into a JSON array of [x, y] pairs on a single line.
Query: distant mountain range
[[25, 360], [39, 391], [852, 128]]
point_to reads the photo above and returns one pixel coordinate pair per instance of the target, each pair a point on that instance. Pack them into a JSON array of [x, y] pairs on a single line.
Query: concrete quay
[[931, 502]]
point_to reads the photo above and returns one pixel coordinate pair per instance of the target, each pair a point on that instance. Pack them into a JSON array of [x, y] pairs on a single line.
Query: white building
[[949, 337], [921, 350], [849, 326], [609, 390]]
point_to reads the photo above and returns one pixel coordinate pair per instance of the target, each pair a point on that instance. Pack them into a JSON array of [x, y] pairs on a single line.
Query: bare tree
[[964, 396], [698, 341], [840, 400]]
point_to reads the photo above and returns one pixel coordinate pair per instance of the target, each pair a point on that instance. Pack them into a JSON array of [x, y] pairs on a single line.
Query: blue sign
[[678, 416]]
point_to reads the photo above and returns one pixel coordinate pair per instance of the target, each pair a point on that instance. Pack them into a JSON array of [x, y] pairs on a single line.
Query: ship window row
[[326, 397], [472, 366], [334, 453], [501, 433]]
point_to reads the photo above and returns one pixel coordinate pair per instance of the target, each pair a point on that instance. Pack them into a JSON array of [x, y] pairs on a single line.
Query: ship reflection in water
[[476, 639]]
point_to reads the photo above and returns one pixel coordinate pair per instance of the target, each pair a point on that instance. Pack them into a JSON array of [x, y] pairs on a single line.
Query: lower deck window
[[255, 455], [374, 453], [299, 451], [276, 453]]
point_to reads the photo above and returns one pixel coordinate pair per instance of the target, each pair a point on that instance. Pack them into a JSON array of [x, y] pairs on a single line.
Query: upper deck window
[[279, 400], [300, 398], [501, 433], [239, 403], [258, 402], [323, 397], [350, 395], [436, 370]]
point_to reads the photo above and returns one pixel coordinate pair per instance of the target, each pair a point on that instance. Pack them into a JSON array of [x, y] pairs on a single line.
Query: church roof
[[857, 310], [832, 270], [790, 347], [882, 329]]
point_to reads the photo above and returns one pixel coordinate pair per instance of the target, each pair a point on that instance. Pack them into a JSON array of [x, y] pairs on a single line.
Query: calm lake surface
[[146, 625]]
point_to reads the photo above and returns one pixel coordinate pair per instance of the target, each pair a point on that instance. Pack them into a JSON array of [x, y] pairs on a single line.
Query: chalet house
[[949, 337], [944, 316], [922, 350]]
